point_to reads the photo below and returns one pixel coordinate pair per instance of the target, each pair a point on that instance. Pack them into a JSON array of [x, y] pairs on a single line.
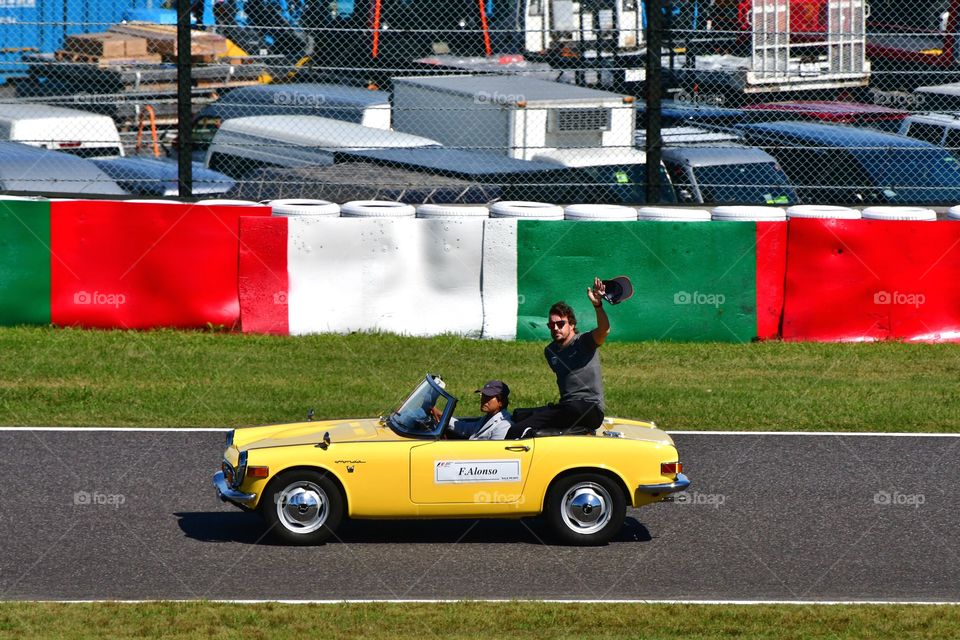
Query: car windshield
[[756, 183], [415, 417], [924, 175]]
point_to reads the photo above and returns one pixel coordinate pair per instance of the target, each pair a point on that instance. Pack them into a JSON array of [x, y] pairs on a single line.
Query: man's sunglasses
[[558, 324]]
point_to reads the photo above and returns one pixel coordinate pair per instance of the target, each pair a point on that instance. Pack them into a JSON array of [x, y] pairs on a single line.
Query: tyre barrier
[[953, 213], [899, 213], [670, 214], [227, 202], [377, 209], [295, 207], [599, 212], [742, 213], [522, 209], [451, 211], [823, 211]]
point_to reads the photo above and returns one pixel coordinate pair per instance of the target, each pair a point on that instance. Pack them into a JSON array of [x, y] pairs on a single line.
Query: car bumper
[[681, 483], [228, 494]]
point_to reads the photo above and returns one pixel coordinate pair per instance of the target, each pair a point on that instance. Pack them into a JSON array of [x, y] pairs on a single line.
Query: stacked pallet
[[106, 48], [162, 40]]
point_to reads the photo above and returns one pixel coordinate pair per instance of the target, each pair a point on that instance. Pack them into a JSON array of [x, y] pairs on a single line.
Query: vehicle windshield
[[416, 416], [757, 183], [923, 175]]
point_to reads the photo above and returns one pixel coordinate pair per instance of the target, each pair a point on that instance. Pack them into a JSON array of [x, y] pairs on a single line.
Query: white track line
[[852, 434], [527, 600]]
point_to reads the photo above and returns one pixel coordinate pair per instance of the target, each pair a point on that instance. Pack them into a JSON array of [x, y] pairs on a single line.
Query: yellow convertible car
[[305, 478]]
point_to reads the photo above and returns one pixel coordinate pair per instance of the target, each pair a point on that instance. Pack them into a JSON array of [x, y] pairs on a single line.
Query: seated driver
[[496, 421]]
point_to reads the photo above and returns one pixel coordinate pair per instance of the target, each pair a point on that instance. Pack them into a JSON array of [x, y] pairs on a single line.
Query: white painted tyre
[[294, 207], [226, 202], [823, 211], [600, 212], [673, 214], [899, 213], [744, 213], [953, 213], [29, 198], [452, 211], [526, 210], [377, 209]]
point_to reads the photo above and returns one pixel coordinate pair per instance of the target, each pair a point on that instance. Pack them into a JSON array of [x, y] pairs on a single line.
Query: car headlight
[[241, 469], [228, 473], [230, 437]]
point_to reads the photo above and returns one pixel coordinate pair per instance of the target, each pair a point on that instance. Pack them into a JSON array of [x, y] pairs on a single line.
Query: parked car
[[350, 104], [858, 114], [734, 174], [941, 129], [828, 163], [244, 144], [304, 478], [42, 171], [686, 112], [160, 176], [80, 133]]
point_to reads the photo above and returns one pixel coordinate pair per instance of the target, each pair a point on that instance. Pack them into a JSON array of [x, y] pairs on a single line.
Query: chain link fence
[[840, 102]]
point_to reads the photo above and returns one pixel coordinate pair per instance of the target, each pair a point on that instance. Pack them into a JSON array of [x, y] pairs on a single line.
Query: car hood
[[282, 435]]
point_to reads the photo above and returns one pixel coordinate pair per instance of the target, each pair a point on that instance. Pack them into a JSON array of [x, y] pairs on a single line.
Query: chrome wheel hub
[[586, 507], [302, 507]]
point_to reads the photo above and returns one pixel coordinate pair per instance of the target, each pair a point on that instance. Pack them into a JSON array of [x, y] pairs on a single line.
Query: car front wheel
[[585, 509], [302, 507]]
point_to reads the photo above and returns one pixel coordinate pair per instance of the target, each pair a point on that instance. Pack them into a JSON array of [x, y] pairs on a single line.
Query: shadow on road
[[248, 528]]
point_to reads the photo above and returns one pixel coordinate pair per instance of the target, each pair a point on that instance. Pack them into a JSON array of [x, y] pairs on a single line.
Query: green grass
[[169, 378], [423, 621]]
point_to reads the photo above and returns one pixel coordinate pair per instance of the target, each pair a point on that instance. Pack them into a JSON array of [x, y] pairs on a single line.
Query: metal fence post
[[653, 94], [184, 110]]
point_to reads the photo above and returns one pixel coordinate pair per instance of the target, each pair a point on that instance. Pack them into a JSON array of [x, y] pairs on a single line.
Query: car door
[[469, 471]]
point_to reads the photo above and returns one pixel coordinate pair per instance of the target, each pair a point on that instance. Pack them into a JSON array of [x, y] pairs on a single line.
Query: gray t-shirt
[[578, 369]]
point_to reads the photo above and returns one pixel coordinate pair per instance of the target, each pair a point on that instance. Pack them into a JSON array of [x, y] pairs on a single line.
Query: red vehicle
[[834, 111], [806, 16], [913, 43]]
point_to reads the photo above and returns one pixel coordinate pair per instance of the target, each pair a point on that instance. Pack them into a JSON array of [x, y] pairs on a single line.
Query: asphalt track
[[132, 515]]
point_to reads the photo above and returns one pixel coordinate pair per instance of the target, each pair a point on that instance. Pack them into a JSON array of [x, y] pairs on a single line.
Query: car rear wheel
[[302, 507], [585, 509]]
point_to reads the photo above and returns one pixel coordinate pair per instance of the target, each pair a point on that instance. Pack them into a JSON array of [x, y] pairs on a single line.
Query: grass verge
[[522, 620], [68, 377]]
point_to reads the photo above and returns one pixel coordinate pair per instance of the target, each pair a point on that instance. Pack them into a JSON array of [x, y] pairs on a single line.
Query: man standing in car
[[575, 360]]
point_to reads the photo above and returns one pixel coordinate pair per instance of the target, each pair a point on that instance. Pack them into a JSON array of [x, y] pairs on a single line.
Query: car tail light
[[671, 468], [258, 472]]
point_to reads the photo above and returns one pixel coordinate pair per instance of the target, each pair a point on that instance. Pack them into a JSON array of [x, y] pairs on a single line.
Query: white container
[[526, 210], [734, 213], [899, 213], [295, 207], [601, 212], [377, 209], [452, 211], [823, 211], [671, 214], [953, 213]]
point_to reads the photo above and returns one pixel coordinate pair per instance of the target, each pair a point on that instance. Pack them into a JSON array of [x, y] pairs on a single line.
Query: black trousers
[[571, 417]]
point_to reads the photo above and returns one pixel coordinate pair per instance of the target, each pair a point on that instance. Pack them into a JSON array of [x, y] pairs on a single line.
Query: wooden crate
[[106, 45]]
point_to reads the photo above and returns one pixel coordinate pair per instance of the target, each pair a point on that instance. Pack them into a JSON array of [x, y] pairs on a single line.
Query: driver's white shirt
[[483, 428]]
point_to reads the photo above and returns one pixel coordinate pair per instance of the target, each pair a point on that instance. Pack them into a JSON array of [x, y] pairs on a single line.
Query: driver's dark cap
[[495, 388]]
